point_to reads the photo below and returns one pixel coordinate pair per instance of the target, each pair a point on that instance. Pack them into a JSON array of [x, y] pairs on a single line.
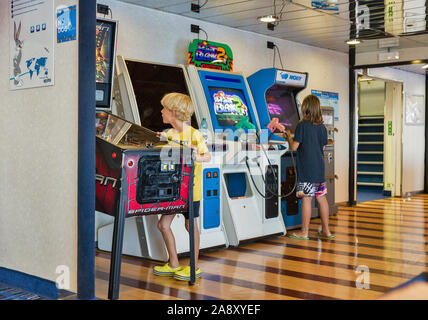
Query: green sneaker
[[321, 235], [184, 274], [166, 270]]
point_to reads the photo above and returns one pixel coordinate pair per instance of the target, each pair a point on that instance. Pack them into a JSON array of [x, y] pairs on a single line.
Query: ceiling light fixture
[[268, 19], [353, 41], [425, 66]]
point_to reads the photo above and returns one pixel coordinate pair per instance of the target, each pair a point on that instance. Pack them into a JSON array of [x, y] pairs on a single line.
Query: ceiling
[[300, 22], [415, 68]]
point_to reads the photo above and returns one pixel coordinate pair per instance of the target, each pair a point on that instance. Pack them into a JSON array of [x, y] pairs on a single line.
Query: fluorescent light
[[268, 19], [425, 66], [353, 41]]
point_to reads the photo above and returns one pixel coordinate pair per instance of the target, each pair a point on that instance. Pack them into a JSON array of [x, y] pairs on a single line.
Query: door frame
[[353, 77]]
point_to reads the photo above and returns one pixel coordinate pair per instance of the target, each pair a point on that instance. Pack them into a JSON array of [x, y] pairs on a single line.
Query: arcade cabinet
[[330, 176], [138, 89], [275, 95], [137, 175], [250, 177]]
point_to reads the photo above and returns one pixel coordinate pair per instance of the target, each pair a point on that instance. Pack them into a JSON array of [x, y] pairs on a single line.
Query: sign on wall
[[66, 24], [325, 5], [31, 44], [211, 55], [328, 99]]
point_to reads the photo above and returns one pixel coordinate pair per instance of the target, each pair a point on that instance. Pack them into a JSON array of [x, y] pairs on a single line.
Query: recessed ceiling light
[[268, 19], [353, 41]]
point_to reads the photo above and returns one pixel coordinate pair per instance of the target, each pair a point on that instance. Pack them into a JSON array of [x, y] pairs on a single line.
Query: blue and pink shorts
[[311, 189]]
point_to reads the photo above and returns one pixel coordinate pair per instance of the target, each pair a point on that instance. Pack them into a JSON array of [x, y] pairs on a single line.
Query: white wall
[[371, 98], [147, 34], [413, 136], [38, 185]]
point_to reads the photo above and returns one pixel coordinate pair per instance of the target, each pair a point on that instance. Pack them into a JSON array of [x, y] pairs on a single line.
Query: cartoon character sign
[[18, 55], [31, 45], [211, 55]]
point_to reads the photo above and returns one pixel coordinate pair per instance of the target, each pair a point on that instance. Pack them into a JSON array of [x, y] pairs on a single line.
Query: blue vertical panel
[[86, 153], [211, 196]]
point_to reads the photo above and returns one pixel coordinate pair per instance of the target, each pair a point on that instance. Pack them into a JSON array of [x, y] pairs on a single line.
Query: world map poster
[[31, 44]]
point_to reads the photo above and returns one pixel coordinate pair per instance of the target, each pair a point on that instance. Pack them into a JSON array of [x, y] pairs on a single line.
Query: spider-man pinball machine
[[137, 174]]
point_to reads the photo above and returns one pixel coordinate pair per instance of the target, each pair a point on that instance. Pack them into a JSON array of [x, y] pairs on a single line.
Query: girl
[[310, 139]]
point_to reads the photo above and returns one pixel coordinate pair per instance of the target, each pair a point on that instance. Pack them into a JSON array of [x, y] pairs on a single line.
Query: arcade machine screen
[[105, 53], [282, 105], [229, 105], [150, 83]]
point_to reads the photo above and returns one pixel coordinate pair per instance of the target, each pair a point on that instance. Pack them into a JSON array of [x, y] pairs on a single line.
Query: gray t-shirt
[[310, 153]]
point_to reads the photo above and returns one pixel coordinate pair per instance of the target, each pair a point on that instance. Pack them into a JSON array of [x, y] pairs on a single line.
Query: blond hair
[[311, 110], [180, 103]]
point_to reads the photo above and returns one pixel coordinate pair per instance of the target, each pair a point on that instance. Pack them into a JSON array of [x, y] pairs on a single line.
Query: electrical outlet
[[194, 28], [195, 7], [270, 45], [102, 8]]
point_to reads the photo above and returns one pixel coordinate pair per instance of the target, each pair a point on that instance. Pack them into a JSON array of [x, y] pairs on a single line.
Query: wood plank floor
[[386, 237]]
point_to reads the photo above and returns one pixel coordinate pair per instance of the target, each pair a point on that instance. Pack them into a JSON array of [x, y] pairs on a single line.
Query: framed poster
[[31, 41], [106, 31], [328, 99], [66, 27]]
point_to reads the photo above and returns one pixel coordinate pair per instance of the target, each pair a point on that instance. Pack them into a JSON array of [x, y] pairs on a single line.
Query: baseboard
[[411, 193], [42, 287]]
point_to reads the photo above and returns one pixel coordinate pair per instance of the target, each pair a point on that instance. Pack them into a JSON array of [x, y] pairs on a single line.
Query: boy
[[177, 111]]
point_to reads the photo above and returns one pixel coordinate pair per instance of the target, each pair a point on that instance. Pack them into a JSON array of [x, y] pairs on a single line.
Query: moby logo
[[297, 78], [284, 76]]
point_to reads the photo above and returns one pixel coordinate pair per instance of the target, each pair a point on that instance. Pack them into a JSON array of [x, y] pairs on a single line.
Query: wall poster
[[328, 99], [66, 27], [31, 33]]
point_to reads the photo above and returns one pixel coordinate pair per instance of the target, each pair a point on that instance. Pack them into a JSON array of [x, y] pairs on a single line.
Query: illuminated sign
[[211, 55], [232, 104], [290, 78]]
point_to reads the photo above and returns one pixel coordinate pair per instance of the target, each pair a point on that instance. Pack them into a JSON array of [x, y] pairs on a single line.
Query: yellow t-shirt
[[196, 139]]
